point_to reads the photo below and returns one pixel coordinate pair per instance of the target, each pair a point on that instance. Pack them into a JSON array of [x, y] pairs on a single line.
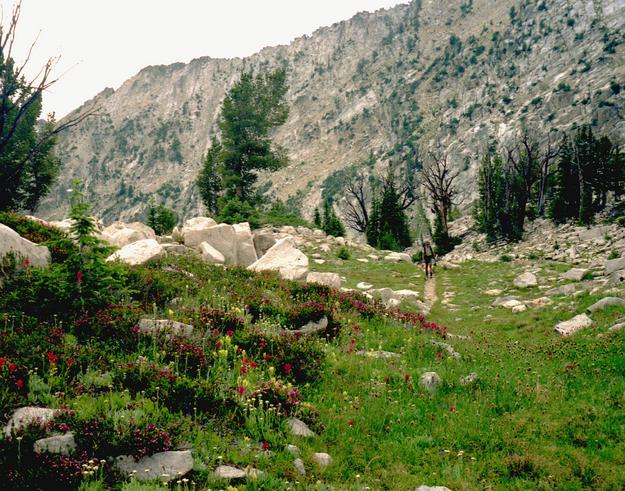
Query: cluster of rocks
[[542, 238]]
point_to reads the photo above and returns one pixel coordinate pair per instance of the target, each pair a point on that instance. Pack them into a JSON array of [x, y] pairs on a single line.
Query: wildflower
[[407, 377], [19, 383], [241, 390], [262, 343], [51, 358], [288, 368], [264, 446], [2, 362], [70, 362], [350, 423], [12, 367], [452, 409], [439, 355], [79, 276], [149, 281], [229, 333]]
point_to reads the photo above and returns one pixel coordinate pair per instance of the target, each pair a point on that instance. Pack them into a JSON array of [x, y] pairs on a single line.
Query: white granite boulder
[[570, 327], [156, 327], [138, 252], [322, 459], [164, 466], [333, 280], [25, 416], [12, 242], [59, 444], [246, 251], [525, 280], [121, 234], [396, 257], [210, 254], [574, 274], [290, 262], [263, 241], [223, 238], [193, 232], [604, 303], [298, 428]]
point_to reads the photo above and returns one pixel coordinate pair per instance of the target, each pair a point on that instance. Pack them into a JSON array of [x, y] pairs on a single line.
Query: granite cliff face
[[465, 72]]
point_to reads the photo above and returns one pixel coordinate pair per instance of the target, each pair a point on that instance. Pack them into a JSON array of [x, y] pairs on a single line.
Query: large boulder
[[616, 278], [223, 238], [164, 466], [526, 280], [574, 274], [246, 251], [290, 262], [210, 254], [263, 241], [138, 252], [605, 302], [396, 257], [59, 444], [121, 234], [156, 327], [193, 232], [613, 265], [25, 416], [297, 427], [570, 327], [12, 242], [333, 280]]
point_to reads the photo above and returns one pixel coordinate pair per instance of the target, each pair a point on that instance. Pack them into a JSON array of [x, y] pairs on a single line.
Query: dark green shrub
[[343, 253]]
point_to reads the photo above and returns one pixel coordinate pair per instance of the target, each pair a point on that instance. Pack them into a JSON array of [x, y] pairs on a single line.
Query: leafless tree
[[439, 180], [534, 164], [356, 202], [17, 93]]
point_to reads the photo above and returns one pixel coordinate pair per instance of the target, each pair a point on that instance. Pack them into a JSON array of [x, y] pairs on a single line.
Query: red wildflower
[[51, 358], [452, 409], [262, 343], [79, 277], [12, 367], [26, 262], [288, 368], [264, 446], [229, 333], [19, 383], [439, 355], [241, 390], [70, 362], [218, 344], [350, 423], [407, 377], [243, 369], [149, 281], [2, 362], [387, 379]]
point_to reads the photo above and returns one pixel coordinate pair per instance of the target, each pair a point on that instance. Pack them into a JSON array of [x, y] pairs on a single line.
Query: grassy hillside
[[516, 406]]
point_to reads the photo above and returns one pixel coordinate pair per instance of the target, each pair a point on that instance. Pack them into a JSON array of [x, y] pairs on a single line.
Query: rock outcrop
[[12, 243], [285, 258], [138, 252]]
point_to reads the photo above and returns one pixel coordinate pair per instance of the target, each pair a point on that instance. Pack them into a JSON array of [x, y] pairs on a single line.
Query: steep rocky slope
[[466, 72]]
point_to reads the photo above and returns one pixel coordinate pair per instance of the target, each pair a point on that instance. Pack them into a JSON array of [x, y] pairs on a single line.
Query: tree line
[[565, 181]]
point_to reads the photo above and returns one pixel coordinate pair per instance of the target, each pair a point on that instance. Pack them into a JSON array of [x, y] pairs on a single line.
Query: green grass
[[544, 413]]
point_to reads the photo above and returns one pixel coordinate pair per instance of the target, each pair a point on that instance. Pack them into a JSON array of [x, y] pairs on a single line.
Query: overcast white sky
[[104, 42]]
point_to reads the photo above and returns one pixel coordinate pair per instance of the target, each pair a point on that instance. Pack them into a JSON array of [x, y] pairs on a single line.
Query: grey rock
[[383, 355], [605, 302], [430, 381], [194, 231], [364, 285], [223, 238], [165, 466], [60, 444], [155, 327], [322, 459], [297, 427], [121, 234], [12, 242], [263, 241], [333, 280], [617, 327], [228, 472], [469, 379], [561, 290], [25, 416], [396, 257], [613, 265], [313, 327], [525, 280], [574, 274], [210, 254], [299, 467], [423, 487], [616, 278], [570, 327], [291, 263], [293, 449], [138, 252], [246, 250]]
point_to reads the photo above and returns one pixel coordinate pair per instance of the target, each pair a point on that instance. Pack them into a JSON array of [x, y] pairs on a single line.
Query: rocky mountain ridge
[[466, 72]]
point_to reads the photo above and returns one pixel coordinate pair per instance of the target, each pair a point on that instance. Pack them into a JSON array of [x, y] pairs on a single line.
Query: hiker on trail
[[428, 258]]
